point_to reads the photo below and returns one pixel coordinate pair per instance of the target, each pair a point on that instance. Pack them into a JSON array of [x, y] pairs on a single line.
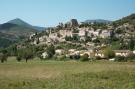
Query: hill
[[22, 23], [98, 21], [10, 33], [16, 30], [128, 19]]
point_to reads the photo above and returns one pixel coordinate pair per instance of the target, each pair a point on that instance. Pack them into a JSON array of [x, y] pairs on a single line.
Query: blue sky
[[51, 12]]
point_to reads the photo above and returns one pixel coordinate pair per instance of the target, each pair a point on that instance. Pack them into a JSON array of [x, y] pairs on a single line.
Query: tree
[[75, 38], [3, 57], [88, 39], [96, 40], [68, 38], [18, 58], [26, 53], [50, 51], [131, 44], [12, 50], [109, 53]]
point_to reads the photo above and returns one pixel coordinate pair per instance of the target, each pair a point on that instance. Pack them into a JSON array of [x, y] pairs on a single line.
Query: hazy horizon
[[48, 13]]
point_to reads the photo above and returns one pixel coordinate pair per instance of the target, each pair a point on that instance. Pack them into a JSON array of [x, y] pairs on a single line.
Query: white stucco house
[[124, 53], [44, 55], [82, 33], [99, 54], [65, 33], [59, 52], [105, 34], [32, 35]]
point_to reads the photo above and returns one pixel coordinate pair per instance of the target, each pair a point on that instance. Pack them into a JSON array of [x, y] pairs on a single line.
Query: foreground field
[[67, 75]]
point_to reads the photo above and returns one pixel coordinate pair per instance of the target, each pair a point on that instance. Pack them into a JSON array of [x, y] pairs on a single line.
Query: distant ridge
[[98, 21], [20, 22]]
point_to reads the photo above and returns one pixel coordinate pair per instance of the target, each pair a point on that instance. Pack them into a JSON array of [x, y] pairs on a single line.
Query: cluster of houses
[[73, 53], [71, 29], [81, 33]]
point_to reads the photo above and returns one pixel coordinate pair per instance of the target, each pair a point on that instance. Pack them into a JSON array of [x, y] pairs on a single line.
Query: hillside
[[128, 19], [10, 33], [6, 39]]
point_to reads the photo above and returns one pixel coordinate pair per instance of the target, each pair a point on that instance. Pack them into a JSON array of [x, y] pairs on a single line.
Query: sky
[[48, 13]]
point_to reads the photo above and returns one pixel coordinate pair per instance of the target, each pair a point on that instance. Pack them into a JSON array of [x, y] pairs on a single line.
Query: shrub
[[50, 51], [61, 58], [3, 57], [54, 57], [120, 59], [85, 57], [18, 58], [97, 58], [76, 57], [131, 57], [109, 53]]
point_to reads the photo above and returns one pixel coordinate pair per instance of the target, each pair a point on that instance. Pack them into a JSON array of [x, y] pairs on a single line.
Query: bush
[[131, 57], [61, 58], [109, 53], [97, 58], [3, 57], [120, 59], [50, 51], [85, 57], [18, 58]]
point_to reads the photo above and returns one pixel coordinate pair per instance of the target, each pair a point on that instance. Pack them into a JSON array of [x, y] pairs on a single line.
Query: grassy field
[[67, 75]]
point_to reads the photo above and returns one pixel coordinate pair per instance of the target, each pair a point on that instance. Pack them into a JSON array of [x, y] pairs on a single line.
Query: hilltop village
[[74, 40], [79, 41]]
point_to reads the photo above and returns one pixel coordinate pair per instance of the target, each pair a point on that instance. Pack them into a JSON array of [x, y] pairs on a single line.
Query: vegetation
[[66, 75], [85, 57], [120, 59], [131, 44], [62, 74], [109, 53], [131, 57], [3, 57], [50, 51], [5, 42], [129, 19]]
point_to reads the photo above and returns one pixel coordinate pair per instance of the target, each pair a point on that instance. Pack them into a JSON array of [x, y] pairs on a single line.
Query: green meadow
[[38, 74]]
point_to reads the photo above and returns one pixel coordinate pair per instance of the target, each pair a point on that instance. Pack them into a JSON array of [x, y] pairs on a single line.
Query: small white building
[[99, 54], [134, 52], [65, 33], [89, 52], [31, 36], [105, 34], [44, 55], [90, 44], [71, 51], [82, 33], [59, 52], [124, 53], [94, 33]]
